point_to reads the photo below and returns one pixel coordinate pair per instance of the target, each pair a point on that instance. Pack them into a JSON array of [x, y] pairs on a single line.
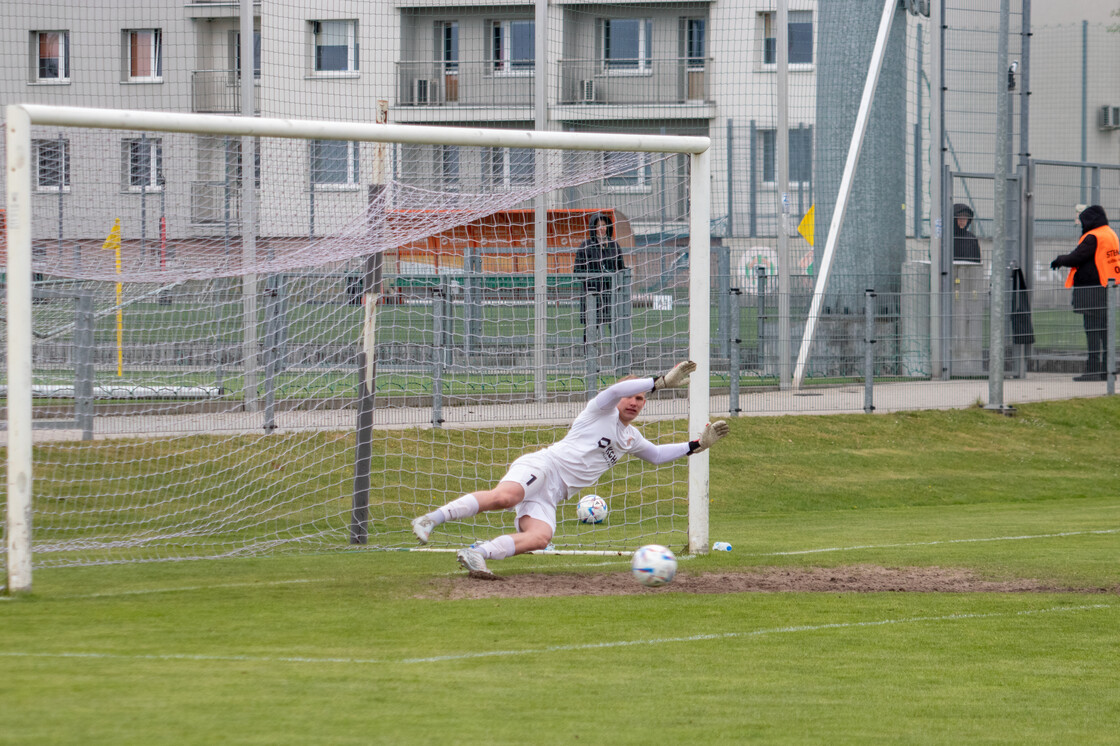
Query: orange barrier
[[505, 240]]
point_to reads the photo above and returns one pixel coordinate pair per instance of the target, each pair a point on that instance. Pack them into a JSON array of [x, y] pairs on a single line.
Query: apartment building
[[689, 68]]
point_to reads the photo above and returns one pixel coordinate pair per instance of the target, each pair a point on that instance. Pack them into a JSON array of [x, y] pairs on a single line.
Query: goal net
[[262, 336]]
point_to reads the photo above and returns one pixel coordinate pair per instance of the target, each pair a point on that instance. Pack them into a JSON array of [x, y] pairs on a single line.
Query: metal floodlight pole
[[781, 141], [250, 342], [540, 206], [862, 117], [938, 270], [997, 332]]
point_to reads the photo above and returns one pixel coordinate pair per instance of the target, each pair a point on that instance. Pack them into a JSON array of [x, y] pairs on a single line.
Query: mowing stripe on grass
[[551, 648], [179, 589], [935, 543], [753, 633]]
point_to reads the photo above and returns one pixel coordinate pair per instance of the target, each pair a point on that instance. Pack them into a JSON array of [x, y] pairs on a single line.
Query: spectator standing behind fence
[[1095, 260], [965, 246], [598, 256]]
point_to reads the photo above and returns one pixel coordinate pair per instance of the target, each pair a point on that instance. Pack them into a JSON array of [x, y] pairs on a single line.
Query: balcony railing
[[464, 84], [657, 80], [668, 80], [216, 91]]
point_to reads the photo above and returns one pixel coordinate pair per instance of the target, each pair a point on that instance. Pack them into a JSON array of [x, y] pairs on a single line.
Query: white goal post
[[20, 164]]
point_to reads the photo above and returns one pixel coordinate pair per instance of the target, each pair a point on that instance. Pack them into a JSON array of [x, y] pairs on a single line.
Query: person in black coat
[[598, 257], [965, 246], [1089, 298]]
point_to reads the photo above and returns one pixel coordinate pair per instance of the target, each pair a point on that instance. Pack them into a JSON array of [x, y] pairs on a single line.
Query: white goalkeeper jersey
[[598, 439]]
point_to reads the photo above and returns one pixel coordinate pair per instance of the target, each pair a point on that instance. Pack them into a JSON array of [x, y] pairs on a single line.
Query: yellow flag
[[113, 243], [805, 227], [113, 240]]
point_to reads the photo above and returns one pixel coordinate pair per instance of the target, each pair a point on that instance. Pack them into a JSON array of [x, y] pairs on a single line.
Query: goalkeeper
[[537, 482]]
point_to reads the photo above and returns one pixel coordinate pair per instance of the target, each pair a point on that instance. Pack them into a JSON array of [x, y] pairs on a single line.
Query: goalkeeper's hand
[[713, 432], [675, 378]]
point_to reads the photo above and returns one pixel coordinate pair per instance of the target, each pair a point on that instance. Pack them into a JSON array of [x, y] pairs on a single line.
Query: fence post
[[868, 349], [591, 345], [621, 321], [760, 316], [271, 351], [734, 358], [723, 297], [438, 357], [1110, 346], [83, 353]]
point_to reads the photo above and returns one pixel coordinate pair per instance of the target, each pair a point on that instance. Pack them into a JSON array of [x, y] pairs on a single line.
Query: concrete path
[[887, 397]]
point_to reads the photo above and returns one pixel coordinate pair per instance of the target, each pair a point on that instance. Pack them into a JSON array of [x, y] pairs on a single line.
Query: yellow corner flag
[[806, 226], [113, 240], [113, 243]]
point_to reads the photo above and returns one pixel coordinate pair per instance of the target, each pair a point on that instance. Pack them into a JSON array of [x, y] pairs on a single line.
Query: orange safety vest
[[1107, 256]]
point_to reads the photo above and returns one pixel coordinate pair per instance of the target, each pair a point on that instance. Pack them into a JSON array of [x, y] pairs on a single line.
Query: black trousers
[[603, 299], [1095, 321]]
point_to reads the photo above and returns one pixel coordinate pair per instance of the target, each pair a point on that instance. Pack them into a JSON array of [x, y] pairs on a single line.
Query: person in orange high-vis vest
[[1092, 264]]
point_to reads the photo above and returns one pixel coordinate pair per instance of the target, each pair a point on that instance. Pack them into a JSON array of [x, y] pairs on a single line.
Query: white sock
[[457, 509], [499, 548]]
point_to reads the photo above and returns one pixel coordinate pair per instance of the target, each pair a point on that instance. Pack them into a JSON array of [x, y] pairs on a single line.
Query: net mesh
[[200, 391]]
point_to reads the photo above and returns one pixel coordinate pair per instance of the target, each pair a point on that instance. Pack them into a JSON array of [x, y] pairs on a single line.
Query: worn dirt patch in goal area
[[849, 579]]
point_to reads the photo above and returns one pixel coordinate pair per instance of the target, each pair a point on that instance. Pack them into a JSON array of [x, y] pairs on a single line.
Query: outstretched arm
[[609, 397], [655, 454], [612, 395]]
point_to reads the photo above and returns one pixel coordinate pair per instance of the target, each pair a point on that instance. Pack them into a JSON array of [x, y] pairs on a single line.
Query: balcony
[[471, 84], [650, 81], [216, 92], [215, 203], [218, 8]]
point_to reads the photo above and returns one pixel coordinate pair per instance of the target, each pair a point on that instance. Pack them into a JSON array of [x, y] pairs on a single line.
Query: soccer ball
[[653, 565], [591, 509]]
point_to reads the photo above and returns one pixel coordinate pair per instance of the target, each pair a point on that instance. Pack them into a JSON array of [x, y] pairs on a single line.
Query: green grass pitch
[[374, 648]]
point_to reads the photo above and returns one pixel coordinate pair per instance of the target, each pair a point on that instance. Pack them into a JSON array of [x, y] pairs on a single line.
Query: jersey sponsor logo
[[609, 454]]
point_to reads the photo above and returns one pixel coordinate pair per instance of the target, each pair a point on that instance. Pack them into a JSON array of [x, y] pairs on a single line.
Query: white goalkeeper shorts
[[543, 489]]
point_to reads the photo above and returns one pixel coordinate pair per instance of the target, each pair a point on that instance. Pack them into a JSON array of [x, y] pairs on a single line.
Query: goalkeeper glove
[[676, 377], [713, 432]]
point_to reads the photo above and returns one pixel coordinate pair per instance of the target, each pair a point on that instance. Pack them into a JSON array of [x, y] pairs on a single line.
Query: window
[[145, 54], [52, 52], [233, 160], [449, 166], [626, 44], [513, 46], [447, 44], [334, 163], [694, 43], [800, 155], [142, 159], [235, 50], [800, 38], [638, 175], [336, 46], [510, 167], [52, 164]]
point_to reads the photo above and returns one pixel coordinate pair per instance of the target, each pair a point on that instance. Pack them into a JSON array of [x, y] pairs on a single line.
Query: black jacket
[[1088, 293], [965, 246], [595, 258]]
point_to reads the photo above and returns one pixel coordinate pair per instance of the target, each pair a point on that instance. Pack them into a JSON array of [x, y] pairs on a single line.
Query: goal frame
[[19, 119]]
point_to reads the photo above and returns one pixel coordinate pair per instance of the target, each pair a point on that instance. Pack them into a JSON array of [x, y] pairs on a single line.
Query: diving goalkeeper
[[537, 482]]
